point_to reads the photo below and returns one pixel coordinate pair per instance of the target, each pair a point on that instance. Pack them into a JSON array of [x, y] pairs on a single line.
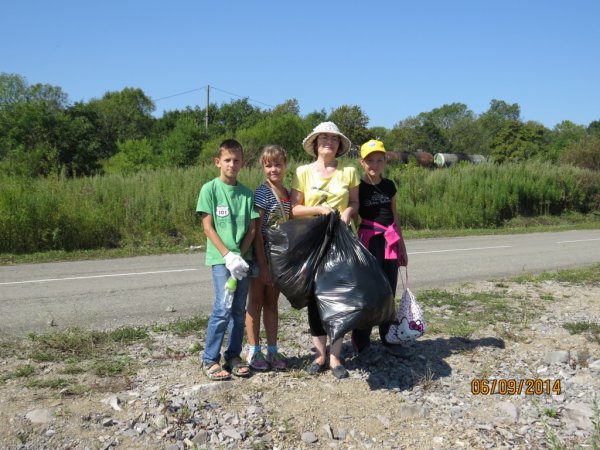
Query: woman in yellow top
[[321, 187]]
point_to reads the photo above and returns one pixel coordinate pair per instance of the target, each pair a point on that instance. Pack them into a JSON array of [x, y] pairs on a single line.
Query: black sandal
[[339, 372], [316, 368]]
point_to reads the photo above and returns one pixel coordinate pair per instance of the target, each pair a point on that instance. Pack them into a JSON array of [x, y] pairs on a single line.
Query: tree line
[[42, 133]]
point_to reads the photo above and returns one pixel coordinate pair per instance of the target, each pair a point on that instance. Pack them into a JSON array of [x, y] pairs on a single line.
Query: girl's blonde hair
[[272, 153]]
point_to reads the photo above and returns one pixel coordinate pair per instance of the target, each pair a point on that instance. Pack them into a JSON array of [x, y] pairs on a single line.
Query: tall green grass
[[157, 208], [148, 208], [486, 196]]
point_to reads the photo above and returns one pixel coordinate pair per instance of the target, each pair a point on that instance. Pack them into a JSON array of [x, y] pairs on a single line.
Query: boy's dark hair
[[230, 145]]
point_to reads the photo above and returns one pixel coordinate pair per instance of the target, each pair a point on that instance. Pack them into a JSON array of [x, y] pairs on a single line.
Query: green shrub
[[157, 207], [486, 195]]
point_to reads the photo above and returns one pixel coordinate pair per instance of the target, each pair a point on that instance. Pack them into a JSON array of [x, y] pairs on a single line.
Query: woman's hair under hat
[[325, 128]]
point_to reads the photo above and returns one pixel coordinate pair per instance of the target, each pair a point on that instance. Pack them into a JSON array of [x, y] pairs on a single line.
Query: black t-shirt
[[376, 201]]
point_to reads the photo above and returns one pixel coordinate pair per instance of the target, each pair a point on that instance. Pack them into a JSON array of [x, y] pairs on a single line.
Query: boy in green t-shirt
[[228, 217]]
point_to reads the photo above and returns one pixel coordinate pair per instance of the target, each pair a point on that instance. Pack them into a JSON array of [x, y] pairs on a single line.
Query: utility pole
[[207, 103]]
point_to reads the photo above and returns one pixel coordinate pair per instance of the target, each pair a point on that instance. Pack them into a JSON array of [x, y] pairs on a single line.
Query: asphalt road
[[149, 289]]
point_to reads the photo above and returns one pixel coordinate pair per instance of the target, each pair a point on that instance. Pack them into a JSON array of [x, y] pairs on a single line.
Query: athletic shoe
[[258, 362], [277, 361]]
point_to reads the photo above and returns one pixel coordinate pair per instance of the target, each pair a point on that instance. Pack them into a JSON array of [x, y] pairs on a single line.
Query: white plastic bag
[[410, 323]]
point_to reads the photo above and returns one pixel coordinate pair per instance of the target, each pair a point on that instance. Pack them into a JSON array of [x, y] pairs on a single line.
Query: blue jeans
[[222, 320]]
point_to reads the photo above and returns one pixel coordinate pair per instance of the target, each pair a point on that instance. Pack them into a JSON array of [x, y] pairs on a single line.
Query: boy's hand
[[236, 265], [239, 274]]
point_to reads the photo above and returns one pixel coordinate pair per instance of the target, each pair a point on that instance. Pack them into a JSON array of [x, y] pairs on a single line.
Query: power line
[[181, 93], [215, 88], [241, 96]]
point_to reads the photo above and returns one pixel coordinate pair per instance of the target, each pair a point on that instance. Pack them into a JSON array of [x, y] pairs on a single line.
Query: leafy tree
[[25, 125], [30, 162], [500, 111], [237, 115], [452, 129], [165, 124], [214, 127], [120, 116], [448, 116], [352, 121], [468, 137], [494, 120], [436, 141], [31, 119], [133, 155], [13, 89], [519, 141], [593, 128], [313, 119], [79, 143], [379, 133], [181, 147], [562, 136], [290, 106], [584, 153], [53, 96], [286, 130], [408, 135]]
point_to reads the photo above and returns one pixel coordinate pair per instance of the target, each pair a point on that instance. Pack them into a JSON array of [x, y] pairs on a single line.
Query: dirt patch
[[423, 398]]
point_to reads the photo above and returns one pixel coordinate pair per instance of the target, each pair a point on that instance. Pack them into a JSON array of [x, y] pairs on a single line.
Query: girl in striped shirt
[[272, 201]]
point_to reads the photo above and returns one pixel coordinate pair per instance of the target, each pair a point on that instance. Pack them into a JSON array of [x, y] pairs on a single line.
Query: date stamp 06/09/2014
[[514, 386]]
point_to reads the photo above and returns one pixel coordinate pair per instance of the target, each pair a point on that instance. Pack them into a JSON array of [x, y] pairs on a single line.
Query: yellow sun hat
[[371, 146]]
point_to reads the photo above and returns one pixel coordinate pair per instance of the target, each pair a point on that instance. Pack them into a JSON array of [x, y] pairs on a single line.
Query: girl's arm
[[402, 254], [259, 250], [299, 209], [352, 209]]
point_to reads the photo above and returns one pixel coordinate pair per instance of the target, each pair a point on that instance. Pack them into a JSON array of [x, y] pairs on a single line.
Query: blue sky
[[394, 59]]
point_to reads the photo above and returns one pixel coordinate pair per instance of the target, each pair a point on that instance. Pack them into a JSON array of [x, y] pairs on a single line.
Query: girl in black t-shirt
[[379, 231]]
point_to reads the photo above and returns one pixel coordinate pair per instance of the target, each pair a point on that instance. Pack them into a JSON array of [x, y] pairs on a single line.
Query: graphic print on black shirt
[[375, 201]]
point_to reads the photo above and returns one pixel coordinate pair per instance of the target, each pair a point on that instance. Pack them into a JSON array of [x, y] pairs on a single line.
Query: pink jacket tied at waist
[[368, 229]]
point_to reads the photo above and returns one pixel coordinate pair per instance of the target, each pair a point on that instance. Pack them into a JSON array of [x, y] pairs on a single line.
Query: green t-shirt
[[232, 209]]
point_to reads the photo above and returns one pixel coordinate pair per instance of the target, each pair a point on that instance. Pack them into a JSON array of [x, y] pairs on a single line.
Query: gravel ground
[[421, 399]]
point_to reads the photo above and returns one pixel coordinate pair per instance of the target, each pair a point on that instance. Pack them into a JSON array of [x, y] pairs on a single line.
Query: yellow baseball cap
[[371, 146]]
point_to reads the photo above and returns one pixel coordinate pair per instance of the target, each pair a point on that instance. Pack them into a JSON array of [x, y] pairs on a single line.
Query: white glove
[[238, 274], [236, 265]]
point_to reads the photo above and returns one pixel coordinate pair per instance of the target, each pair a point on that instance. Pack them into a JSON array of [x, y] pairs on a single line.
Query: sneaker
[[258, 362], [277, 361]]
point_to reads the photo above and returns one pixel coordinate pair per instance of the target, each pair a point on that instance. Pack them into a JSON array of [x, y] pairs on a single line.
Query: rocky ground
[[422, 399]]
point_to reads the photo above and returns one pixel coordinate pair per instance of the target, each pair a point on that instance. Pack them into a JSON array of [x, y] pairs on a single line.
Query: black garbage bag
[[296, 248], [352, 291]]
